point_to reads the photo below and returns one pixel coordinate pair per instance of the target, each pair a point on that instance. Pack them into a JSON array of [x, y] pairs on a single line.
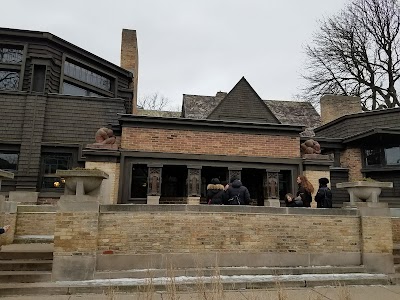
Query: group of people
[[233, 193], [304, 194]]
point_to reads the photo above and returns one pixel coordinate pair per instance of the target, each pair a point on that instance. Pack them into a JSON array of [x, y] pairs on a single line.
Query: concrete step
[[24, 255], [26, 265], [186, 283], [33, 239], [231, 271], [24, 276]]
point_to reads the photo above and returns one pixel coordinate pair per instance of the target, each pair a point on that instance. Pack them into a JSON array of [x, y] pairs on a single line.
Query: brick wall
[[214, 143], [351, 158], [34, 223], [376, 239], [76, 232], [185, 232]]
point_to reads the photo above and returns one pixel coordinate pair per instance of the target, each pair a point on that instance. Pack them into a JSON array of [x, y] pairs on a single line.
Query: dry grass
[[213, 289]]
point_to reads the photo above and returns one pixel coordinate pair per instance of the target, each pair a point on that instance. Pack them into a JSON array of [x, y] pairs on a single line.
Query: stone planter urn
[[82, 182], [367, 191]]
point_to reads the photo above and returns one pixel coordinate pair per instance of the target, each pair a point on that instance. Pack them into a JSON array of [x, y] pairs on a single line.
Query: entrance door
[[253, 180]]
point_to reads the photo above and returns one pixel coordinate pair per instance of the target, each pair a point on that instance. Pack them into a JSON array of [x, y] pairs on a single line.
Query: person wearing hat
[[324, 194], [215, 192]]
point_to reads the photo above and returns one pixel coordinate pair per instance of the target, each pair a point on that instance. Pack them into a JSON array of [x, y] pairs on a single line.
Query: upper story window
[[382, 156], [11, 55], [11, 58], [51, 162], [87, 76], [82, 80]]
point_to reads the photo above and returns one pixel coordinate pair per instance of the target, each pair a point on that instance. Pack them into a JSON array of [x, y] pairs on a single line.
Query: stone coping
[[361, 183], [82, 173], [37, 208], [6, 175], [121, 208]]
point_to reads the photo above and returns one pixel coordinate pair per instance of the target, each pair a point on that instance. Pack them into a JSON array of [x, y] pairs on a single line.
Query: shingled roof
[[286, 112]]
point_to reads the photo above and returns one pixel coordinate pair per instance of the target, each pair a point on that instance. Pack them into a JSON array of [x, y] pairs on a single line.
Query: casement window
[[382, 156], [50, 163], [80, 79], [11, 61]]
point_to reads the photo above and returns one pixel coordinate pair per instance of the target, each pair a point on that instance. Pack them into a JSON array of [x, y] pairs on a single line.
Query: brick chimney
[[335, 106], [130, 60]]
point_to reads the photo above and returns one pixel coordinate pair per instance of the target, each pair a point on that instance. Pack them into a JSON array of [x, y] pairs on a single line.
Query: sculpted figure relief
[[105, 136], [310, 147]]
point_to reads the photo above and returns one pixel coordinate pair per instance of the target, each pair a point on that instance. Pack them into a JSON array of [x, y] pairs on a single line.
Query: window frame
[[382, 156], [15, 66], [81, 84]]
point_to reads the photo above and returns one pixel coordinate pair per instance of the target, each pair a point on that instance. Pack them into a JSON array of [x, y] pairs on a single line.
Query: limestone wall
[[35, 220]]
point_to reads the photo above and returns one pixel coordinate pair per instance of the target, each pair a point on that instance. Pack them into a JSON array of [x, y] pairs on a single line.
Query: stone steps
[[26, 263], [192, 283]]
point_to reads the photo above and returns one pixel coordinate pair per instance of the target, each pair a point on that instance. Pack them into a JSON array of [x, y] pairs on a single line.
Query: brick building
[[55, 95]]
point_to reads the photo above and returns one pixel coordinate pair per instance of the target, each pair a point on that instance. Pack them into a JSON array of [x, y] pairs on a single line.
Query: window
[[70, 89], [39, 78], [82, 80], [87, 76], [50, 163], [11, 58], [392, 156], [8, 161], [139, 181], [388, 156]]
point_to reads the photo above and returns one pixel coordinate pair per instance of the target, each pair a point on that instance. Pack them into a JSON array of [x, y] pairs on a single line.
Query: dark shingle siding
[[361, 122], [11, 115], [76, 119]]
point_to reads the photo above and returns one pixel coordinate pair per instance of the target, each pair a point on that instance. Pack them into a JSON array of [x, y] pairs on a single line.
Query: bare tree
[[356, 53], [153, 102]]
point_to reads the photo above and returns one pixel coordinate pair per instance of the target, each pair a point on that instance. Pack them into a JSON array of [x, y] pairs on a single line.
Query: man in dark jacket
[[236, 190], [215, 192], [324, 194]]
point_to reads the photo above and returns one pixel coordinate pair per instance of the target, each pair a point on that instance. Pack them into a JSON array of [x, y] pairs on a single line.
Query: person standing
[[215, 192], [324, 194], [304, 191], [237, 193]]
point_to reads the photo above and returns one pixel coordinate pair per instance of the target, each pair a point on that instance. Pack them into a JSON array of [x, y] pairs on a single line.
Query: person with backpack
[[215, 192], [324, 194], [237, 193]]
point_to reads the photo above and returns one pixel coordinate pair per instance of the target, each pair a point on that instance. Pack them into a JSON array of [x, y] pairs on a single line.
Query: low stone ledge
[[122, 208], [37, 208]]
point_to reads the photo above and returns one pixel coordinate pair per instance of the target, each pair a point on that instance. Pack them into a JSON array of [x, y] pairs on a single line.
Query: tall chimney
[[335, 106], [130, 60]]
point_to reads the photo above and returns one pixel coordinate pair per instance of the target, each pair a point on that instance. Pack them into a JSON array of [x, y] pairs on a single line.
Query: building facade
[[53, 97]]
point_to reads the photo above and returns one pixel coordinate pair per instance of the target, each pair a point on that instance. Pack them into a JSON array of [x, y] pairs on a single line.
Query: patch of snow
[[223, 279]]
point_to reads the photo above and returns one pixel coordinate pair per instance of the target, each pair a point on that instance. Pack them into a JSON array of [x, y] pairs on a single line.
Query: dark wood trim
[[53, 39], [210, 125], [220, 158]]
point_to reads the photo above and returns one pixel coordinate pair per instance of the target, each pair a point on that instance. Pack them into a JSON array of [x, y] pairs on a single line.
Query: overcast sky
[[190, 46]]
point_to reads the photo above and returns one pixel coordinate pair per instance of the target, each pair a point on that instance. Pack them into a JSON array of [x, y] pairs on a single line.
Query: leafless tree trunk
[[356, 53]]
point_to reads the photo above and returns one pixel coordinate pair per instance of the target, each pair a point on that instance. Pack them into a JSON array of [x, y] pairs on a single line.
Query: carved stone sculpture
[[105, 136], [310, 147]]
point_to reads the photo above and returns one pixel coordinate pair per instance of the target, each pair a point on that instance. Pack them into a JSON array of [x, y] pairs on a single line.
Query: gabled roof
[[243, 103], [199, 107]]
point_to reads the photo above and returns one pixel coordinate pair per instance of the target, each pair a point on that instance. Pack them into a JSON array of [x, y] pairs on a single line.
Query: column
[[154, 184], [271, 188], [194, 185], [376, 237]]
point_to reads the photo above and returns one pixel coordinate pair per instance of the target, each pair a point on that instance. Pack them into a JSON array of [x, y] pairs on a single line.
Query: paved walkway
[[388, 292]]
